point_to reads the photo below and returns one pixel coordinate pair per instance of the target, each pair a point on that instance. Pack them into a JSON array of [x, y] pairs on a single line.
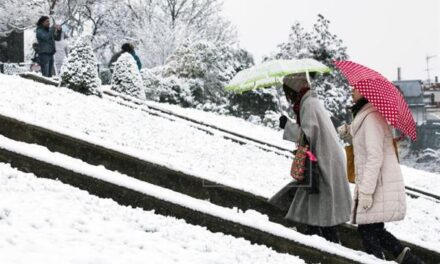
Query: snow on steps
[[43, 221], [207, 128], [74, 114], [130, 191], [39, 78], [117, 159], [276, 147], [229, 128], [154, 109]]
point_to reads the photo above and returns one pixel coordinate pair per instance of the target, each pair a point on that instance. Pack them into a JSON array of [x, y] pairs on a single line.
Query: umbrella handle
[[308, 79]]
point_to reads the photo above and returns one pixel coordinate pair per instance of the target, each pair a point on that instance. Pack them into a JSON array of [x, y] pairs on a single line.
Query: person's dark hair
[[41, 20], [127, 47], [290, 94]]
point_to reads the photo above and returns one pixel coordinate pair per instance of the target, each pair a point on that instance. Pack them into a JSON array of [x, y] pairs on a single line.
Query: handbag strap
[[302, 139]]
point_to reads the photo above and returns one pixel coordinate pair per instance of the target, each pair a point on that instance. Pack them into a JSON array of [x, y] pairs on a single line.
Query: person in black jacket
[[46, 37]]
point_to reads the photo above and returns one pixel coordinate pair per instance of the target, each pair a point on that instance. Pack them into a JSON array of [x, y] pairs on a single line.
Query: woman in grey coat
[[322, 212]]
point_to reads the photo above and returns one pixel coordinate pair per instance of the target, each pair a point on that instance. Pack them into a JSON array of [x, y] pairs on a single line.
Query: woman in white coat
[[380, 190]]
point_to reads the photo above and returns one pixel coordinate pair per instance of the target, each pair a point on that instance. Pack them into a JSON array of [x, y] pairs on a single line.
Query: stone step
[[141, 199], [171, 179]]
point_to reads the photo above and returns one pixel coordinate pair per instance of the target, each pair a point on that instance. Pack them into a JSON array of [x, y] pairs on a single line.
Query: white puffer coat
[[377, 169]]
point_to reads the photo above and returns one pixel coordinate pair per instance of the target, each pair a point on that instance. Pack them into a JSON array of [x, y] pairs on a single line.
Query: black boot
[[331, 234], [407, 257], [313, 230]]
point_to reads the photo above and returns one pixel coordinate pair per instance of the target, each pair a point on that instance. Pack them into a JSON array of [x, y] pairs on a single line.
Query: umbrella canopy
[[382, 94], [272, 72]]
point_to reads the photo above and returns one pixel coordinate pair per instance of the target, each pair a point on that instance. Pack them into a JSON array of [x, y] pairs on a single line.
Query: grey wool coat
[[332, 206]]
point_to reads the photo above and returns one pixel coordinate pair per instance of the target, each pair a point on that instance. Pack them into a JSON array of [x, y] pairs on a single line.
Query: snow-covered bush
[[211, 65], [176, 91], [271, 119], [152, 83], [195, 76], [127, 78], [203, 60], [80, 72], [172, 89], [253, 103]]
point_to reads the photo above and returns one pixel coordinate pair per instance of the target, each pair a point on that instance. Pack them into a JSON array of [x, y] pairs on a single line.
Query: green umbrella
[[271, 73]]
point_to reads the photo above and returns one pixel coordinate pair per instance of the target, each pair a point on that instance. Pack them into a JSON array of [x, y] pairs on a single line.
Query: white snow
[[422, 180], [246, 218], [421, 225], [230, 123], [179, 146], [45, 221], [173, 144]]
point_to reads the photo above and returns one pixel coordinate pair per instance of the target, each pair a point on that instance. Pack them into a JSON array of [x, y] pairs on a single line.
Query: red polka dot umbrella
[[382, 94]]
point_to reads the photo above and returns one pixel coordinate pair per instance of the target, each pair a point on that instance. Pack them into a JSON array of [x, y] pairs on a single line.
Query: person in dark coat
[[46, 37], [322, 212], [127, 47]]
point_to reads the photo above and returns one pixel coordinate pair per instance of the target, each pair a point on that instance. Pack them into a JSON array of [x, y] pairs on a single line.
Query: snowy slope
[[174, 144], [233, 124], [44, 221], [249, 218], [422, 180], [181, 147]]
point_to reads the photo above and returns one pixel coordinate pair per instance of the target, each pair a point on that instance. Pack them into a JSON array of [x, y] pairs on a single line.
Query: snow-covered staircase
[[132, 192], [157, 175]]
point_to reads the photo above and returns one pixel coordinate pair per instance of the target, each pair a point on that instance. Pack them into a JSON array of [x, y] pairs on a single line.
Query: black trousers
[[376, 239], [330, 233]]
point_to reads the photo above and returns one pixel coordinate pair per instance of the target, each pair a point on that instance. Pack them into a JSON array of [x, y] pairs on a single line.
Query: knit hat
[[296, 81]]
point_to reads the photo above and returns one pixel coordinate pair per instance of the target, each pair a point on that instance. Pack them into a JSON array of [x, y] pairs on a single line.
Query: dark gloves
[[283, 121]]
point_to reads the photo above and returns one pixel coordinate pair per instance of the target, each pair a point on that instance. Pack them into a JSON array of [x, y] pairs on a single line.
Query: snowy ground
[[421, 225], [179, 146], [249, 218], [44, 221], [230, 123], [174, 144], [233, 124]]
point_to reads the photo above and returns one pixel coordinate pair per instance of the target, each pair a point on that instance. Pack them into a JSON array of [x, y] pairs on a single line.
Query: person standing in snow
[[380, 190], [62, 50], [127, 47], [46, 37], [324, 210]]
